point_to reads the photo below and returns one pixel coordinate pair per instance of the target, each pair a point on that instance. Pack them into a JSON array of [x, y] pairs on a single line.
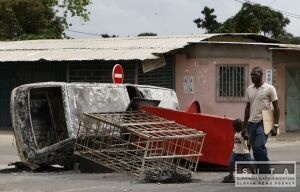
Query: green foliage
[[295, 40], [70, 7], [289, 39], [227, 27], [252, 18], [38, 19], [75, 8], [108, 36], [209, 22], [147, 34]]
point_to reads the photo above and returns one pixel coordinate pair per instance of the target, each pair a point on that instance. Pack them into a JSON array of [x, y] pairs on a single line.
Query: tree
[[209, 22], [147, 34], [108, 36], [227, 27], [38, 19], [294, 40], [252, 18]]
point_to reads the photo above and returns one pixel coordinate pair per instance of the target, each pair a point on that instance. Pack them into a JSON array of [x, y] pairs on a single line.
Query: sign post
[[118, 74]]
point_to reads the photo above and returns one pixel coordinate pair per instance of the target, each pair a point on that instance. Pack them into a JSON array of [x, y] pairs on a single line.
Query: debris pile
[[169, 175], [139, 143]]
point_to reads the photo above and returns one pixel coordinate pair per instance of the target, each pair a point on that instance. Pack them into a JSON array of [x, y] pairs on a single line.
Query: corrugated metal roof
[[286, 47], [121, 48]]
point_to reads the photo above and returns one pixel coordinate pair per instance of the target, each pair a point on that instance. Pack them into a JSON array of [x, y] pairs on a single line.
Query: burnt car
[[45, 116]]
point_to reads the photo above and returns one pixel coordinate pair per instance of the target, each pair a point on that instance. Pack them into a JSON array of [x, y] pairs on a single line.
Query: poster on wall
[[188, 84], [269, 76]]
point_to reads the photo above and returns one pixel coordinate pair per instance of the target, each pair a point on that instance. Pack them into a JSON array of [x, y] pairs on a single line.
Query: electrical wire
[[86, 33]]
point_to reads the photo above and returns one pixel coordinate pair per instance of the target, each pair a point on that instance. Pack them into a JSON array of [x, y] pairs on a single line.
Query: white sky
[[165, 17]]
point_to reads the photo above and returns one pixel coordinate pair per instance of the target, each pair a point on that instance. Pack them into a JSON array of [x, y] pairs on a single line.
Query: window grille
[[231, 83]]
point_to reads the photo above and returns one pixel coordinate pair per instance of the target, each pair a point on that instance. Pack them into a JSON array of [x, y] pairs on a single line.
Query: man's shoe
[[228, 179]]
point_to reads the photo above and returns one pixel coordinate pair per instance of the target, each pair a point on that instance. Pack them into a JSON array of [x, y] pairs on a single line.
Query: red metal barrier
[[218, 142]]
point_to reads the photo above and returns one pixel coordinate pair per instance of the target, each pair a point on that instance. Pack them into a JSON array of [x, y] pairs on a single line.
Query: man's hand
[[274, 130], [245, 134], [245, 131]]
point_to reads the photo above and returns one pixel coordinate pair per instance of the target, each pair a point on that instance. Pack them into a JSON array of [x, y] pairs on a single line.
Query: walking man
[[259, 96]]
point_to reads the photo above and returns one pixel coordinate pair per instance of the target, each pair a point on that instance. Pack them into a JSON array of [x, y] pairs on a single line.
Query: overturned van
[[45, 116]]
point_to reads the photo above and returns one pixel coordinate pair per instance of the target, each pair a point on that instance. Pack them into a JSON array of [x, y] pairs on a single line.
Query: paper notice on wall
[[188, 84], [152, 64]]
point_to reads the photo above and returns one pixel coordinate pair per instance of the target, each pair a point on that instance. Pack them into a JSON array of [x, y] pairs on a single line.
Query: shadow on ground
[[19, 167]]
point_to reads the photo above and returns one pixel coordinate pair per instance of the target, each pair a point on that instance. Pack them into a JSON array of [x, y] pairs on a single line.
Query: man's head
[[256, 76], [237, 124]]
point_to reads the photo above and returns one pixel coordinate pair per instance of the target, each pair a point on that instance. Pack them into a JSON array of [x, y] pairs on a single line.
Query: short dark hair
[[237, 124], [258, 69]]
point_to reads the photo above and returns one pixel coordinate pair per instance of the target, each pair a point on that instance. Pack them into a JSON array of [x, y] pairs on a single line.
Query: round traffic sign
[[118, 74]]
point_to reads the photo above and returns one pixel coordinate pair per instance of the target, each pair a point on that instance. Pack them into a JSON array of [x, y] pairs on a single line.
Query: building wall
[[283, 60], [163, 76], [101, 71], [202, 64], [18, 73], [13, 74]]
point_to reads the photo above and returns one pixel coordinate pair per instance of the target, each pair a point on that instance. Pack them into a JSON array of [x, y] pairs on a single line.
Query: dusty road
[[71, 181]]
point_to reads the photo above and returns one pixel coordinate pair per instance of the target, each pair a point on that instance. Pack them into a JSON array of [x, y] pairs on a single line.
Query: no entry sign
[[118, 74]]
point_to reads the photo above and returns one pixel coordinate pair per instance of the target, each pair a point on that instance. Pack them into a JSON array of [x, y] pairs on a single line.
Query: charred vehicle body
[[45, 116]]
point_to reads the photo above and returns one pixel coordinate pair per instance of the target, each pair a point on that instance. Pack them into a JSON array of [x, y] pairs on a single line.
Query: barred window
[[231, 83]]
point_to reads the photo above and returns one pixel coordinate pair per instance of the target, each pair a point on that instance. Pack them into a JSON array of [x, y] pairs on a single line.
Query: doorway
[[292, 99]]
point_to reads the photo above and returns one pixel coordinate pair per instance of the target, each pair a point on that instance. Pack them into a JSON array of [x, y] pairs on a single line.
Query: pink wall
[[204, 70]]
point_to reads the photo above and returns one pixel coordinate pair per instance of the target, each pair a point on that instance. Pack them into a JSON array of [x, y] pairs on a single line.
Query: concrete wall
[[202, 64]]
